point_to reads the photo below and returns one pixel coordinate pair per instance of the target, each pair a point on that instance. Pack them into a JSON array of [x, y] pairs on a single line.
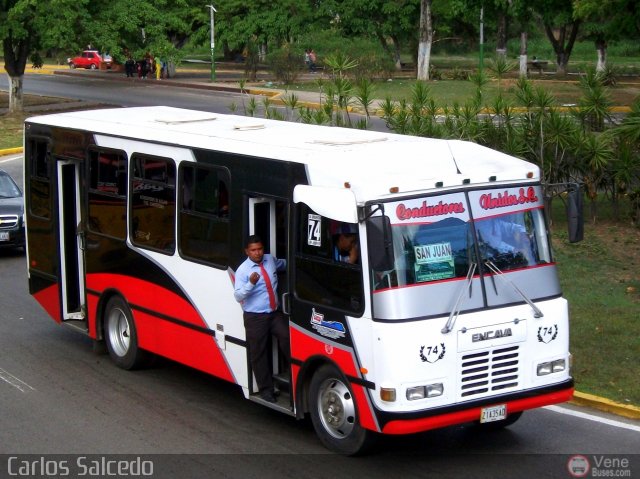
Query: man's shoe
[[268, 396]]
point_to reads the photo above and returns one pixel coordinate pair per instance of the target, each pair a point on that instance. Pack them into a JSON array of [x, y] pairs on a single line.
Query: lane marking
[[15, 382], [590, 417], [11, 159]]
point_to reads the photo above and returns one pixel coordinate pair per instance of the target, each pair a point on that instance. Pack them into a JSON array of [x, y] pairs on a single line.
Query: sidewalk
[[228, 79]]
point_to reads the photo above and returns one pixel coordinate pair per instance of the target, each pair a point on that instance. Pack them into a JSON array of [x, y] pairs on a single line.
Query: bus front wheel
[[334, 413], [120, 335]]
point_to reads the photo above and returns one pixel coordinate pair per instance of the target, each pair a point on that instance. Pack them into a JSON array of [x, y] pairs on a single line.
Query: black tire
[[93, 66], [121, 337], [497, 425], [334, 414]]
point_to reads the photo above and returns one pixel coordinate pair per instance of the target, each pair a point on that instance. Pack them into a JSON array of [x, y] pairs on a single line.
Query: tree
[[425, 40], [560, 27], [19, 33], [606, 20], [263, 21], [391, 22]]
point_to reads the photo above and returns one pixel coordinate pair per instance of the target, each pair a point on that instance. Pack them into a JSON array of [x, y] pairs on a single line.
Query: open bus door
[[71, 241], [268, 218]]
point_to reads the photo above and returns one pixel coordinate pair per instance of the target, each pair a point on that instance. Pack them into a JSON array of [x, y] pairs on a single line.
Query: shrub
[[286, 63]]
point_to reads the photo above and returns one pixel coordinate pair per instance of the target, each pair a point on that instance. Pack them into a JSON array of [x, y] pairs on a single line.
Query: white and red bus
[[137, 218]]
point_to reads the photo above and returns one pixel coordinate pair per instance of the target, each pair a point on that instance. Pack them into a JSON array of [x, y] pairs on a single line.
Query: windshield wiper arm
[[501, 275], [456, 308]]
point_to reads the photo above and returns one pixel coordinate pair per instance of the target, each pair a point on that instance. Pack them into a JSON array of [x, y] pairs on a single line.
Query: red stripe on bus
[[174, 341], [410, 426], [49, 299], [305, 345]]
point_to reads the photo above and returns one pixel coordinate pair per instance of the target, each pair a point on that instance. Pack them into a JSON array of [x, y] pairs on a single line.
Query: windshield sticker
[[329, 329], [504, 201], [314, 237], [407, 211], [433, 262], [490, 201]]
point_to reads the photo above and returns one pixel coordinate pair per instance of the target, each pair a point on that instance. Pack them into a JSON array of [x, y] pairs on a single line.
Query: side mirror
[[575, 217], [379, 243]]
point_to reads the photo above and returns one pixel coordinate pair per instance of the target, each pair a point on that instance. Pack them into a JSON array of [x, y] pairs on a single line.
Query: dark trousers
[[260, 327]]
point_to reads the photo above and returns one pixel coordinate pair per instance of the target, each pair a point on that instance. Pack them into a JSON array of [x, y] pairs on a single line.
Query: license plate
[[4, 236], [493, 413]]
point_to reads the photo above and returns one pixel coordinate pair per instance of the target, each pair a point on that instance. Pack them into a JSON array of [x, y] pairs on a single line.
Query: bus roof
[[370, 162]]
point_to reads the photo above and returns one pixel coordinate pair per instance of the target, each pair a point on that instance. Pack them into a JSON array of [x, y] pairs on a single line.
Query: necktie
[[267, 281]]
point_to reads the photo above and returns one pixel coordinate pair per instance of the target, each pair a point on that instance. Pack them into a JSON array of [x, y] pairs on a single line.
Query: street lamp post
[[213, 44], [481, 64]]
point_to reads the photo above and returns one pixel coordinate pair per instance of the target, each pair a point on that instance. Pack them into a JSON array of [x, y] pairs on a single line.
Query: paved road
[[107, 89], [135, 93]]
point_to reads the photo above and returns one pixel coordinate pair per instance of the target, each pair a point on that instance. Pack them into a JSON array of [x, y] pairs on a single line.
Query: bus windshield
[[438, 240]]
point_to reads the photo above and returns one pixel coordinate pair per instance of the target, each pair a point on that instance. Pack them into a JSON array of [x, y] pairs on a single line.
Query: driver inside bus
[[345, 243]]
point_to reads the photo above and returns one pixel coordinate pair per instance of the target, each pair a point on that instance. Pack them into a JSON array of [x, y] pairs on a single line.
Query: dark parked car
[[11, 213]]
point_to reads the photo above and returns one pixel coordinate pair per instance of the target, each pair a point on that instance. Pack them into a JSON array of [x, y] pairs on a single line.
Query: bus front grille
[[490, 371]]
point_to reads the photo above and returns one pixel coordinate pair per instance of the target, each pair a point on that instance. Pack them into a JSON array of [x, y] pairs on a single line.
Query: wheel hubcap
[[119, 334], [337, 409]]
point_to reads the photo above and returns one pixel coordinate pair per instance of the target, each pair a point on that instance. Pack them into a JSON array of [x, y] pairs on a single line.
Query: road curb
[[11, 151], [603, 404]]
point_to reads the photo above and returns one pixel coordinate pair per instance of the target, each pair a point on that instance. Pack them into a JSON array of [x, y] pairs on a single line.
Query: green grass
[[600, 278], [446, 92], [11, 127]]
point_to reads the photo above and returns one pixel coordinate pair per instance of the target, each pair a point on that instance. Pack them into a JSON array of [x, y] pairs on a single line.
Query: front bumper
[[419, 421]]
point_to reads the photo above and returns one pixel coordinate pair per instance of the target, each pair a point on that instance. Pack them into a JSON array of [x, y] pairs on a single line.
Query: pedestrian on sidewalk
[[312, 61], [307, 59]]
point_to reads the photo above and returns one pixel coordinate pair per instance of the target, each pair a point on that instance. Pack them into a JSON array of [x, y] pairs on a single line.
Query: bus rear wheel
[[120, 335], [334, 413]]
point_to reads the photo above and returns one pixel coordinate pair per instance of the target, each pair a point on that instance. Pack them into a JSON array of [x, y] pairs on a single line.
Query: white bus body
[[136, 221]]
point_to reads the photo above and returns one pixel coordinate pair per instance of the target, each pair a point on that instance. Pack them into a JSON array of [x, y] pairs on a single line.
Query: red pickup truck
[[88, 59]]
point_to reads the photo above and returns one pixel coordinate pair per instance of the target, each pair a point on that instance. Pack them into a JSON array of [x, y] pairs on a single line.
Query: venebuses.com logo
[[599, 466]]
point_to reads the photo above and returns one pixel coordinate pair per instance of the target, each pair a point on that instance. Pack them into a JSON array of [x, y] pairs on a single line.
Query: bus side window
[[203, 226], [107, 193], [153, 203], [321, 277], [39, 184]]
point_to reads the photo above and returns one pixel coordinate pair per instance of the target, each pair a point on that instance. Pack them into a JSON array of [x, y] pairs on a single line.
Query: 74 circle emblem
[[431, 354]]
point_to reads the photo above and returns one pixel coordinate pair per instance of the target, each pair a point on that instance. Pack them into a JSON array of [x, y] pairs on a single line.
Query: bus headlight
[[558, 365], [549, 367], [428, 391]]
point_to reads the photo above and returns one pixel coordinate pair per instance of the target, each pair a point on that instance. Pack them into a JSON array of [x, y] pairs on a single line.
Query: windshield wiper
[[501, 275], [455, 312]]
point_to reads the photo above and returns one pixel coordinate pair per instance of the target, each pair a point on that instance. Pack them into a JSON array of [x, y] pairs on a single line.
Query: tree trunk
[[601, 48], [561, 45], [15, 93], [523, 54], [396, 52], [15, 60], [501, 34], [426, 40]]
